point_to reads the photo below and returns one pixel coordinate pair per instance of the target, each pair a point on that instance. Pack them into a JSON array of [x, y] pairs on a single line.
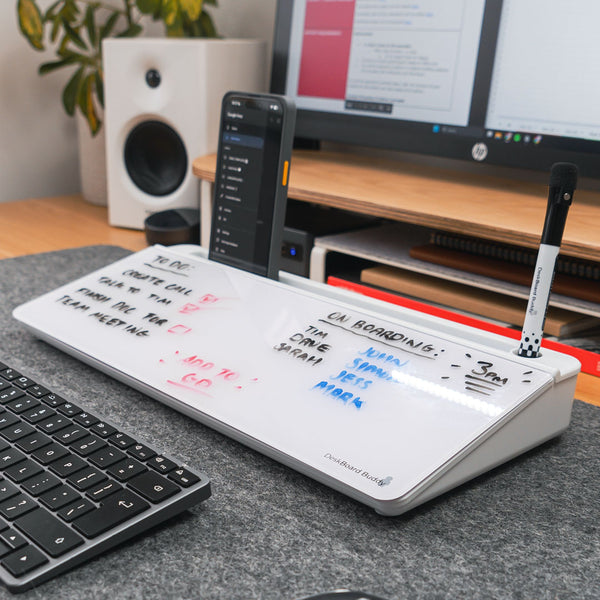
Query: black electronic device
[[73, 485], [253, 164], [500, 82], [304, 222], [342, 594], [173, 226]]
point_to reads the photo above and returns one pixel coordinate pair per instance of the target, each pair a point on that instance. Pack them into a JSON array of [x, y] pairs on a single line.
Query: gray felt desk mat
[[529, 529]]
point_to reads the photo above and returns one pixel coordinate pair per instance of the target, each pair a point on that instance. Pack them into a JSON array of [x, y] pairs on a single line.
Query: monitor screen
[[504, 82]]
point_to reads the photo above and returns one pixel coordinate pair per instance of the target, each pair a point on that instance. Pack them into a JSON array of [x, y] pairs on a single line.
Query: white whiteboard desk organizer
[[390, 406]]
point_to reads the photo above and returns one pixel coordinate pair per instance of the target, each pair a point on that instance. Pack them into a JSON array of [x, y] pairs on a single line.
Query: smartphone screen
[[251, 182]]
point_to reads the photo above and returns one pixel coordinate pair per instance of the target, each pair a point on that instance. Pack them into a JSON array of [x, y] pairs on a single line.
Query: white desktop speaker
[[162, 108]]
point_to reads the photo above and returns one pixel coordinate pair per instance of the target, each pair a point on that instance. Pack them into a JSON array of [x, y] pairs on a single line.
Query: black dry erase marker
[[563, 181]]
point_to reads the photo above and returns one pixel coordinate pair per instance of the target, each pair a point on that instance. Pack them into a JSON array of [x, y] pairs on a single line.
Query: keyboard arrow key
[[24, 560]]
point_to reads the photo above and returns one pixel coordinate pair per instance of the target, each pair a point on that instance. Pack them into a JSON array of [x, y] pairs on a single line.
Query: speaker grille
[[155, 158]]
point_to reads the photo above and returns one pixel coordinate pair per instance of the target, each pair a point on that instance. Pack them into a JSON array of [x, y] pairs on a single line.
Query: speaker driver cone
[[155, 158]]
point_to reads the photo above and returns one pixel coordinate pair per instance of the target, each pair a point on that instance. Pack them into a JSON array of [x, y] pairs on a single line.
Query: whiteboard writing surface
[[373, 402]]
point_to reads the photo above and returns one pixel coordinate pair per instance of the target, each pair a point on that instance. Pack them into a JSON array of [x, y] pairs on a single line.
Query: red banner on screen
[[326, 48]]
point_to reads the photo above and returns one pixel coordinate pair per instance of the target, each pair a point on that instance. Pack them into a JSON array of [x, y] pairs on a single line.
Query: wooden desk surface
[[48, 224]]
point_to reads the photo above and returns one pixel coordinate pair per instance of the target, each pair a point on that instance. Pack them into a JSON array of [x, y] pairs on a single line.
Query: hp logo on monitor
[[479, 151]]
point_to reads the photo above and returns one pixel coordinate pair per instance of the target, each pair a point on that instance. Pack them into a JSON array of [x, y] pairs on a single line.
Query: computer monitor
[[502, 82]]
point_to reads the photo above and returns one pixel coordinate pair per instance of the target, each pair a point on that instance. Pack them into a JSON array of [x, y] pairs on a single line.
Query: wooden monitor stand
[[483, 206]]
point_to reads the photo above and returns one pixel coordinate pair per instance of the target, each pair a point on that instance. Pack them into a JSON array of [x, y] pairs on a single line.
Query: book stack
[[478, 282]]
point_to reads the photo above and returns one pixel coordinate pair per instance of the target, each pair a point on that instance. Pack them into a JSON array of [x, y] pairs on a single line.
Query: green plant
[[77, 27]]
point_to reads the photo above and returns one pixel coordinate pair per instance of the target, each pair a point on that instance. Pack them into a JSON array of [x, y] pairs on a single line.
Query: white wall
[[38, 142]]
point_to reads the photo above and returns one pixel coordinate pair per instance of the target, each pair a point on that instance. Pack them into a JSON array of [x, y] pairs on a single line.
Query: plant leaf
[[131, 31], [69, 11], [55, 29], [90, 26], [177, 29], [148, 7], [71, 91], [85, 101], [170, 13], [108, 27], [30, 23], [48, 67], [71, 54], [99, 84], [49, 14], [208, 25], [62, 49], [73, 36], [191, 8]]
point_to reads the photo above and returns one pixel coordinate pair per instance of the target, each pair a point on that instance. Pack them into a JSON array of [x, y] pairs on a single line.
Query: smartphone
[[251, 181]]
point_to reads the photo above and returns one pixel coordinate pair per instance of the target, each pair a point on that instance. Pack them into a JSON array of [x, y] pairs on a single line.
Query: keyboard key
[[59, 497], [161, 464], [37, 391], [68, 409], [23, 382], [10, 457], [183, 477], [53, 400], [141, 452], [121, 440], [17, 506], [102, 429], [75, 510], [153, 487], [23, 561], [87, 445], [126, 469], [48, 532], [106, 488], [49, 453], [86, 478], [67, 465], [7, 419], [9, 394], [106, 457], [54, 424], [71, 434], [9, 374], [23, 470], [38, 414], [17, 431], [86, 419], [13, 539], [40, 484], [113, 510], [22, 404], [4, 549], [33, 442], [7, 490]]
